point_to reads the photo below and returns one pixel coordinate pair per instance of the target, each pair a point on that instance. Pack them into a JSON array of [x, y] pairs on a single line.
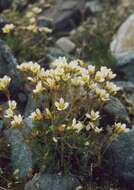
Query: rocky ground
[[98, 32]]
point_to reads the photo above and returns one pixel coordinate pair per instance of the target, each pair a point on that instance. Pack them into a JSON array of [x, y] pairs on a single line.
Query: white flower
[[111, 87], [73, 65], [30, 14], [45, 29], [60, 62], [39, 88], [24, 67], [8, 28], [104, 70], [9, 113], [85, 78], [36, 10], [32, 20], [4, 83], [12, 104], [48, 113], [100, 77], [51, 83], [55, 140], [97, 129], [77, 81], [78, 126], [102, 94], [91, 69], [36, 115], [111, 75], [17, 121], [61, 105], [32, 27], [120, 128], [93, 115]]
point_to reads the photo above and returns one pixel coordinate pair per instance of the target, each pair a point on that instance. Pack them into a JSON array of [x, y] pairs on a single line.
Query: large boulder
[[123, 41], [52, 182], [119, 159], [122, 48]]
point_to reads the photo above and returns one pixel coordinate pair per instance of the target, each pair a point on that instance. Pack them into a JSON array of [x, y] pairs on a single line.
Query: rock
[[28, 126], [52, 182], [1, 125], [21, 156], [119, 159], [123, 41], [5, 4], [122, 47], [116, 109], [63, 16], [126, 86], [31, 105], [22, 101], [8, 62], [127, 71], [55, 52], [8, 66], [66, 44], [3, 21]]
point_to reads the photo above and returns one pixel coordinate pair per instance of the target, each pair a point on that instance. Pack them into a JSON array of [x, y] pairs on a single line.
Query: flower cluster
[[70, 86], [10, 114], [73, 74], [67, 120], [30, 23]]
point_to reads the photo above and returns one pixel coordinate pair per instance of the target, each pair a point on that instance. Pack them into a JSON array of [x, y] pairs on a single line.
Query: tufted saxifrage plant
[[67, 135], [33, 46]]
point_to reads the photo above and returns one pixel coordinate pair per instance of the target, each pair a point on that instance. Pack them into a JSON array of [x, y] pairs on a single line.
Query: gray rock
[[125, 65], [127, 71], [55, 52], [3, 21], [123, 41], [116, 109], [8, 62], [1, 125], [125, 58], [5, 4], [122, 47], [126, 86], [31, 105], [119, 158], [66, 44], [21, 157], [63, 16], [28, 126], [52, 182]]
